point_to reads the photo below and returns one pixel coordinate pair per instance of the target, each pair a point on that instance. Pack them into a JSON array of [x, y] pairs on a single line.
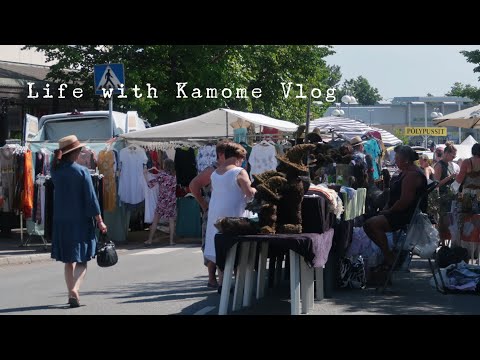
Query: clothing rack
[[16, 149], [179, 142], [164, 144], [34, 229]]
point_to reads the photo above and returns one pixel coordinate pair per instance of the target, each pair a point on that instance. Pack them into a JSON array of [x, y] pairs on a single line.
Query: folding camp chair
[[400, 239]]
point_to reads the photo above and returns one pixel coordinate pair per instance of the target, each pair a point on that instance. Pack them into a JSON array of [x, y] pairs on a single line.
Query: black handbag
[[106, 253]]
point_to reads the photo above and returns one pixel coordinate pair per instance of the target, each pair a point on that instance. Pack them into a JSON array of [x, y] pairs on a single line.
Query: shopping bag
[[422, 236]]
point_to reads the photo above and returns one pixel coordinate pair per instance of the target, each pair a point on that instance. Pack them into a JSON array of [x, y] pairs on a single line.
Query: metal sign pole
[[109, 79], [110, 113], [426, 125], [21, 227]]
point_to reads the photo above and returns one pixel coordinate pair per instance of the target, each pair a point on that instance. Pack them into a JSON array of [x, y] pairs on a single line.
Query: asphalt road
[[172, 280], [165, 280]]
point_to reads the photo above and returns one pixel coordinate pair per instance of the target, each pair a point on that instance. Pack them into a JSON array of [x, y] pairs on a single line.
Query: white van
[[86, 125]]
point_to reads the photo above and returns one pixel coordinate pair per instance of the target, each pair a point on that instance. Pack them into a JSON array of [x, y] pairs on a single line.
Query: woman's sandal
[[73, 302]]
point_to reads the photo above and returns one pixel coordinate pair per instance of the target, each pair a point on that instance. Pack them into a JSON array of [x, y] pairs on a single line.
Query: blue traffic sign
[[108, 76]]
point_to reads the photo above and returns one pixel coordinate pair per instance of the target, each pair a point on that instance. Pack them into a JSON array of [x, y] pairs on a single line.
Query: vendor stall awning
[[349, 128], [212, 124]]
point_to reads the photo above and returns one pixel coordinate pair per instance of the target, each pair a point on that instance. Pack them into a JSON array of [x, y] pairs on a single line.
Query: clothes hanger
[[266, 141]]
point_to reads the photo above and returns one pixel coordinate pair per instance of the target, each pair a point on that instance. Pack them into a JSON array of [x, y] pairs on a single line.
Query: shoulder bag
[[106, 253]]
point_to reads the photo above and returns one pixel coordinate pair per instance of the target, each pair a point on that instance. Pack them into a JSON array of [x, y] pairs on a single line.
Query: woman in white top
[[231, 189]]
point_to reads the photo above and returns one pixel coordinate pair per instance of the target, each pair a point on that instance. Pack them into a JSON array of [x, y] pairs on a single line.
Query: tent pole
[[226, 123], [307, 123]]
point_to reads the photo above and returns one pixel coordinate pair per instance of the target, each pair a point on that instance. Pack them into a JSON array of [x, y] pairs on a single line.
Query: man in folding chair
[[406, 190]]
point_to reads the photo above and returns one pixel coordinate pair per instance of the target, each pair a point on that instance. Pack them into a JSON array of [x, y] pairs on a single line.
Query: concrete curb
[[31, 258], [23, 259]]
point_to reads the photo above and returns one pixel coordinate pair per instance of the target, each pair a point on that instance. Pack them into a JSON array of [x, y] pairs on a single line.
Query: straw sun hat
[[68, 144]]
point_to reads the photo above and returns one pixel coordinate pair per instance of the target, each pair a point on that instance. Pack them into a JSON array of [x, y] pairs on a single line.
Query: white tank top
[[227, 200]]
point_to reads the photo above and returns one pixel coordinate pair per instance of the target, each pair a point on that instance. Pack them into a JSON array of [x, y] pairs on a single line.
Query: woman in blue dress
[[75, 208]]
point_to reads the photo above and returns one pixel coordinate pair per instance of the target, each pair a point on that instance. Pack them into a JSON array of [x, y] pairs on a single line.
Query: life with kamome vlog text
[[182, 92]]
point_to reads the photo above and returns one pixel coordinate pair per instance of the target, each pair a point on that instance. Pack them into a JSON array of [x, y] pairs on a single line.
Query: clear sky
[[406, 70], [13, 53], [396, 70]]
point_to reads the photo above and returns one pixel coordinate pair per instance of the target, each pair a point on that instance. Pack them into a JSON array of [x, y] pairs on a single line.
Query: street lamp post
[[426, 121], [436, 113], [338, 111], [426, 125], [309, 115], [348, 99]]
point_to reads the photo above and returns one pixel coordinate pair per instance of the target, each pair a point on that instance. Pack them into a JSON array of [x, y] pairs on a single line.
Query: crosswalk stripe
[[156, 251], [164, 250]]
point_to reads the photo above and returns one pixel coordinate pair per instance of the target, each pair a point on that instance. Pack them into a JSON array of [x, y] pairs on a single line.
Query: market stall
[[191, 144], [349, 128]]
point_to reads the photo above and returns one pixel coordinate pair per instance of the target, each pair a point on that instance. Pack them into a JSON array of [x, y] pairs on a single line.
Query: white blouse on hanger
[[262, 158], [131, 181], [151, 197]]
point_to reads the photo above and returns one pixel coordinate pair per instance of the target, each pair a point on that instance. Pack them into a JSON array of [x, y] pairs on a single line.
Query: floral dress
[[167, 200]]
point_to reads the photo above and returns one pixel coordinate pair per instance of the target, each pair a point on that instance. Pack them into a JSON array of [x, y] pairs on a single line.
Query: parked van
[[87, 125]]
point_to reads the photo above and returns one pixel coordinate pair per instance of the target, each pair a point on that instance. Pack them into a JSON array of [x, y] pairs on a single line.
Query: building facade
[[14, 104], [414, 111]]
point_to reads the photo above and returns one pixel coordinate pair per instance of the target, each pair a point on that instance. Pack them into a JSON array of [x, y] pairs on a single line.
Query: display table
[[317, 218], [306, 251]]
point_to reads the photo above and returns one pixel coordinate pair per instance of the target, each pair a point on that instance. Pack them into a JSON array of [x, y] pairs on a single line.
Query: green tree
[[334, 76], [473, 57], [400, 134], [361, 89], [469, 91], [201, 66]]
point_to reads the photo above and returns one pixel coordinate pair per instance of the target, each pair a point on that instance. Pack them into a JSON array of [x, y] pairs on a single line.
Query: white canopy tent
[[464, 150], [349, 128], [215, 123], [469, 141]]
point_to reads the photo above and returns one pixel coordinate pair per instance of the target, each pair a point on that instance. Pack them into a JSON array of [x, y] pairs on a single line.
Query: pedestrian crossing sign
[[108, 76]]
